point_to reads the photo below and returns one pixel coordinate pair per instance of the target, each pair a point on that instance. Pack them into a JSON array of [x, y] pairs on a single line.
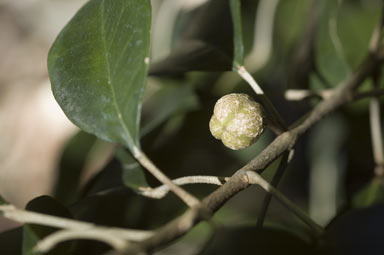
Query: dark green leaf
[[113, 208], [33, 233], [238, 59], [205, 44], [370, 194], [108, 178], [192, 55], [169, 100], [339, 49], [133, 173], [71, 166], [107, 191], [98, 67]]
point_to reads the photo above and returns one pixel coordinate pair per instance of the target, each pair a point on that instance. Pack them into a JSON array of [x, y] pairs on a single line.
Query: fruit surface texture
[[237, 121]]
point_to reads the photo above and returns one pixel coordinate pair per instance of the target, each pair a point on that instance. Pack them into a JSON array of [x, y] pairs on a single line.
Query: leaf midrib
[[113, 93]]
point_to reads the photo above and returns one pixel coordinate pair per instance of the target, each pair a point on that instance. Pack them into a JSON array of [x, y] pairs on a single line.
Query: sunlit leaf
[[98, 67]]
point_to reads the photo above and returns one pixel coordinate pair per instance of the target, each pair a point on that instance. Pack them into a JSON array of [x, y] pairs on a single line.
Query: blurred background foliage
[[314, 45]]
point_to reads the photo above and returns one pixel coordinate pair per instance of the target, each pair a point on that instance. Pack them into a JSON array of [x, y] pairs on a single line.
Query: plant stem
[[376, 136], [189, 199], [23, 216], [276, 120], [275, 181], [48, 243], [255, 178], [162, 190]]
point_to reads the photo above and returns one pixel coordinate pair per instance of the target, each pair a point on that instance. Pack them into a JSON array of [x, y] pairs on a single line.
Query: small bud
[[237, 120]]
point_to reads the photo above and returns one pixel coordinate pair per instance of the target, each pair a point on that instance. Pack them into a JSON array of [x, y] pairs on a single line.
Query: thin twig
[[376, 136], [274, 117], [249, 79], [301, 94], [189, 199], [162, 190], [275, 181], [262, 42], [376, 37], [49, 242], [374, 106], [371, 93], [23, 216], [238, 182], [255, 178]]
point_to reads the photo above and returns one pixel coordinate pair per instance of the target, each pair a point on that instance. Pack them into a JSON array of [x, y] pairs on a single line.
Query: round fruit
[[237, 120]]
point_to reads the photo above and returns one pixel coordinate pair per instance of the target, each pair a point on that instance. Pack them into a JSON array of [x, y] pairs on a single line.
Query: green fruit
[[237, 120]]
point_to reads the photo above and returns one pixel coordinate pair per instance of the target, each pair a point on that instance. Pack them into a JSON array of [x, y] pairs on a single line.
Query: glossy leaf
[[98, 67], [238, 59]]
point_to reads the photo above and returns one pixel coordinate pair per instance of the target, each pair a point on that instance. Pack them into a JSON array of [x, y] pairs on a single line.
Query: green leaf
[[192, 55], [71, 166], [372, 193], [169, 100], [238, 59], [98, 68], [205, 42], [133, 173], [33, 233]]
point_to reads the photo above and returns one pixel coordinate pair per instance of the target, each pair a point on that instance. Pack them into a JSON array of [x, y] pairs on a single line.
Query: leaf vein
[[129, 139]]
